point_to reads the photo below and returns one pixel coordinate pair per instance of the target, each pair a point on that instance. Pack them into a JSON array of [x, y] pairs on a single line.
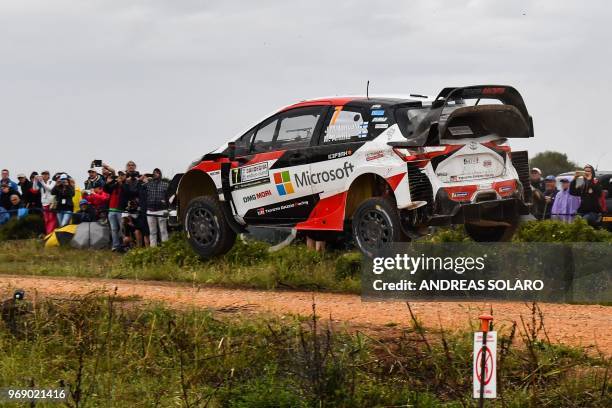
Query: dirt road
[[576, 325]]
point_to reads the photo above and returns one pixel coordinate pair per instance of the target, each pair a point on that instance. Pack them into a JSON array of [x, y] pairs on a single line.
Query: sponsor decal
[[306, 178], [346, 131], [378, 112], [487, 163], [376, 106], [505, 188], [214, 173], [459, 194], [473, 145], [338, 155], [381, 126], [470, 160], [250, 173], [286, 206], [375, 155], [379, 119], [460, 130], [472, 176], [256, 196], [282, 179], [390, 133], [493, 91]]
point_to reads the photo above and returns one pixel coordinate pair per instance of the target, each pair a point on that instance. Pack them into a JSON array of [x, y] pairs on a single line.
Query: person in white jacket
[[45, 185]]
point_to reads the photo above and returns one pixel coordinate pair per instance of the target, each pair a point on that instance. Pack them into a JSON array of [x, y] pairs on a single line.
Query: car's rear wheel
[[207, 230], [496, 233], [376, 224]]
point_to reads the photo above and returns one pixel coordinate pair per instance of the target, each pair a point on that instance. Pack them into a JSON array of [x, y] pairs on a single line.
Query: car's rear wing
[[451, 118]]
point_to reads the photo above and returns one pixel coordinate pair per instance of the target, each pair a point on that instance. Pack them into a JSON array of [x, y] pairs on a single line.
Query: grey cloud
[[163, 81]]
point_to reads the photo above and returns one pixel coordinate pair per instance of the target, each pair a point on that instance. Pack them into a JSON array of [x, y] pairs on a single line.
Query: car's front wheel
[[207, 230], [376, 224]]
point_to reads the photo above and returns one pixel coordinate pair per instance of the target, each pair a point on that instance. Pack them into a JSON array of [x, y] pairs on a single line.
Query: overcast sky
[[162, 82]]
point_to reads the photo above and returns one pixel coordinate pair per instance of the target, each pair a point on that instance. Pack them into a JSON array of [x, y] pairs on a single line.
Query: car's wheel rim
[[374, 230], [203, 226]]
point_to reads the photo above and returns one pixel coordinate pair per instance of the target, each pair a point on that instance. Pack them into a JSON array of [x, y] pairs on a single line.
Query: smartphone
[[96, 163]]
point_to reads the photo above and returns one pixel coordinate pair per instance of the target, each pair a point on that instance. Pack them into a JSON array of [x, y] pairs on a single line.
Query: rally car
[[382, 168]]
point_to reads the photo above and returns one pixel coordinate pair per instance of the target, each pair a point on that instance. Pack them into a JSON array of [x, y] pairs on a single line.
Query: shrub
[[557, 231], [175, 251], [29, 226], [452, 234], [348, 265], [248, 252]]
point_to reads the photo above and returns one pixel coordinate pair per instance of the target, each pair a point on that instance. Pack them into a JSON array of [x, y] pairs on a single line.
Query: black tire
[[376, 224], [498, 233], [208, 232]]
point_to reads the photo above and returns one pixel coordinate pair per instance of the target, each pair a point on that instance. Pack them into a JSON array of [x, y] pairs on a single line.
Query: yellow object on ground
[[60, 236]]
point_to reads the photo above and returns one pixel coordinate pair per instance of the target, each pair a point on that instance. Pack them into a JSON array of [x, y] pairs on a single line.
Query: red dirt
[[576, 325]]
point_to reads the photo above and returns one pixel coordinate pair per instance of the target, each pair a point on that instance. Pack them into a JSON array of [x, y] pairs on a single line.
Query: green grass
[[112, 353], [247, 265]]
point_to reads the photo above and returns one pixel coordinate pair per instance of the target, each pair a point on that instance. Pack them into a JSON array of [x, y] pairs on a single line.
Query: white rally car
[[383, 168]]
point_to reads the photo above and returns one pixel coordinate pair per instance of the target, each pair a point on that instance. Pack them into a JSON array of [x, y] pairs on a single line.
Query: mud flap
[[227, 205]]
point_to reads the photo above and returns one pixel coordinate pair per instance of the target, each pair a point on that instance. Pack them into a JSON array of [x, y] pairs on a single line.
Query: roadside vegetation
[[110, 351], [249, 264]]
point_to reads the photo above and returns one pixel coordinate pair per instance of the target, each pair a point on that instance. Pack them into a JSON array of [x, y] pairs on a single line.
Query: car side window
[[243, 144], [293, 129], [296, 128], [346, 124], [264, 138]]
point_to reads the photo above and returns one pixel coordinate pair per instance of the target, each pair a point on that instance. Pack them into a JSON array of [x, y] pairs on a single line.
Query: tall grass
[[246, 265], [249, 264], [110, 352]]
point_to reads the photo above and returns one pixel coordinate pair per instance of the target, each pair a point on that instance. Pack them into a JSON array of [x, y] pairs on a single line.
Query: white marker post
[[485, 361]]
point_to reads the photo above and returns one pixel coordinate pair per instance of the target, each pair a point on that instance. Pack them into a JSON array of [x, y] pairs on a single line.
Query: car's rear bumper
[[504, 210]]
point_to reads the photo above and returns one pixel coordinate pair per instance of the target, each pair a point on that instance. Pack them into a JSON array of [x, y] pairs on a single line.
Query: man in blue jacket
[[6, 180]]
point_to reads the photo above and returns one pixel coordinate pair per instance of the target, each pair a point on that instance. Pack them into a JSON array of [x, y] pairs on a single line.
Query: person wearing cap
[[44, 185], [566, 205], [23, 183], [157, 207], [536, 179], [586, 186], [550, 192], [63, 192], [5, 179], [93, 180], [86, 213]]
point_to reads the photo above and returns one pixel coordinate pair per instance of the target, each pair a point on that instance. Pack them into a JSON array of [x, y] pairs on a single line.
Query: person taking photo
[[586, 186]]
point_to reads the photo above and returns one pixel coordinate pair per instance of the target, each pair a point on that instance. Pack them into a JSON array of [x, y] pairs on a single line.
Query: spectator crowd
[[134, 205], [579, 195]]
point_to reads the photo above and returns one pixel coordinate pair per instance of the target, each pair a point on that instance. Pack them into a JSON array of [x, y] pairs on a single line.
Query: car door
[[267, 185]]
